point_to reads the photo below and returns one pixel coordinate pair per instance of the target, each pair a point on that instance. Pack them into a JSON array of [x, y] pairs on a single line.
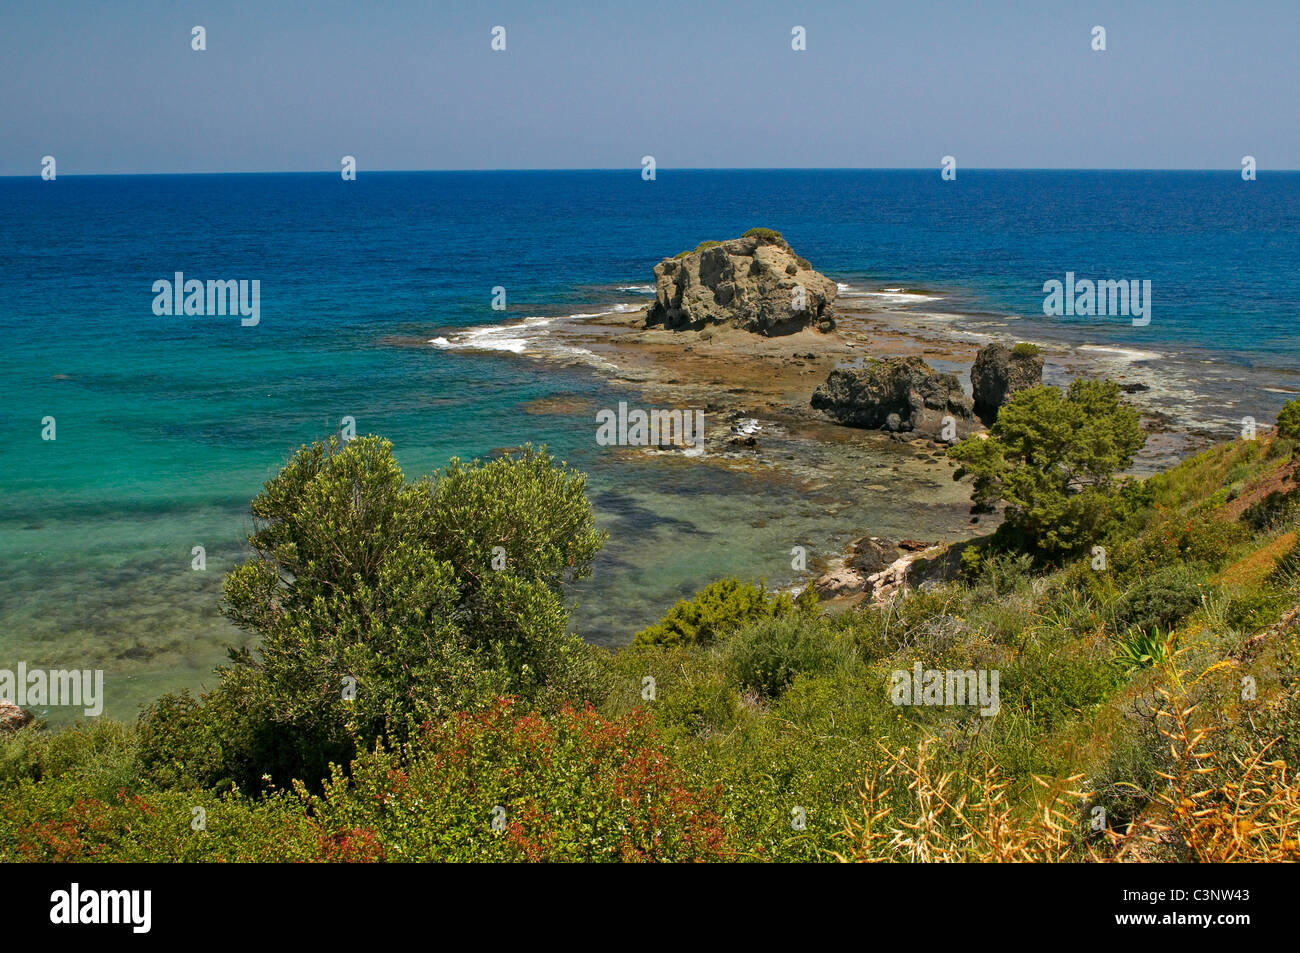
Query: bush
[[1160, 602], [1055, 687], [1279, 508], [715, 610], [766, 656], [57, 821], [569, 787], [1052, 457], [1025, 349], [1000, 572], [382, 603], [1286, 572], [1172, 537], [765, 234], [99, 756], [214, 742], [1256, 609], [1288, 420]]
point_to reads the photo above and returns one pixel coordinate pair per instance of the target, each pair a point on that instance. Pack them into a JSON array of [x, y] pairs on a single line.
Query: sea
[[376, 303]]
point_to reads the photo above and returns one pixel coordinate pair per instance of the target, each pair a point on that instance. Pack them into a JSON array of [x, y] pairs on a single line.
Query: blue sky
[[413, 84]]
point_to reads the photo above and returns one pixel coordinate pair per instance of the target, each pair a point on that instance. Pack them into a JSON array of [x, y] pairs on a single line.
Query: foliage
[[57, 820], [1143, 649], [1160, 601], [1288, 420], [746, 733], [715, 610], [767, 655], [1053, 688], [381, 603], [1279, 508], [1171, 537], [956, 817], [1052, 457], [99, 756], [569, 787]]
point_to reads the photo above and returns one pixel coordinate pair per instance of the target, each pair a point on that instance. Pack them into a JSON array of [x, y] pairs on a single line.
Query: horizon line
[[637, 169]]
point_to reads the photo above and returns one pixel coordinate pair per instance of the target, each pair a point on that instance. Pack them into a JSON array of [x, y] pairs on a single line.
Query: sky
[[114, 87]]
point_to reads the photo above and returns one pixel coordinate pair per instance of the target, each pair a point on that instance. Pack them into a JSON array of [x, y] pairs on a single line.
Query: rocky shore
[[836, 395]]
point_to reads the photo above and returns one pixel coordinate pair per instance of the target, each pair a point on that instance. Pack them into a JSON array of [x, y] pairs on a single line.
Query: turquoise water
[[166, 426]]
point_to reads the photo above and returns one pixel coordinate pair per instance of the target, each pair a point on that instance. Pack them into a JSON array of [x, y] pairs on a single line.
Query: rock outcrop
[[882, 583], [756, 283], [898, 394], [1000, 372], [872, 554], [12, 717], [911, 564]]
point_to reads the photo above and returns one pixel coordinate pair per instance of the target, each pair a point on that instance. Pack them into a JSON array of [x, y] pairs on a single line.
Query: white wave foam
[[620, 308], [899, 295], [500, 337], [1127, 355]]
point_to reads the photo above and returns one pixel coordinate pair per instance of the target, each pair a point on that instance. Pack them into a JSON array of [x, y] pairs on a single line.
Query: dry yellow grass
[[958, 819], [1252, 816], [1251, 570]]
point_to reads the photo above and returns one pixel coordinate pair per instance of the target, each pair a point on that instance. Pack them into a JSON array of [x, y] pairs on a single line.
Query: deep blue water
[[166, 426]]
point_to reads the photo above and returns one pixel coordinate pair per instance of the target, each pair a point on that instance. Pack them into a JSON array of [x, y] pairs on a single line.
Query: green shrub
[[1127, 782], [1055, 687], [1286, 572], [801, 760], [1144, 649], [57, 820], [1256, 609], [1025, 349], [380, 603], [1288, 420], [999, 572], [99, 756], [1052, 457], [767, 655], [1173, 537], [713, 611], [217, 741], [571, 786], [1160, 601], [766, 234]]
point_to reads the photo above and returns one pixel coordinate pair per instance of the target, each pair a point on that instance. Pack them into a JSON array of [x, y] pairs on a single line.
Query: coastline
[[735, 372], [755, 394]]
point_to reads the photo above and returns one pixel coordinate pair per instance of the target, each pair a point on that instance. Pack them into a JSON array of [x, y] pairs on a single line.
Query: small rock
[[12, 717]]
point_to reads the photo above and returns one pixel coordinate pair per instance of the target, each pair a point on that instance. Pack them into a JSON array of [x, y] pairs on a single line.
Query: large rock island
[[756, 283]]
